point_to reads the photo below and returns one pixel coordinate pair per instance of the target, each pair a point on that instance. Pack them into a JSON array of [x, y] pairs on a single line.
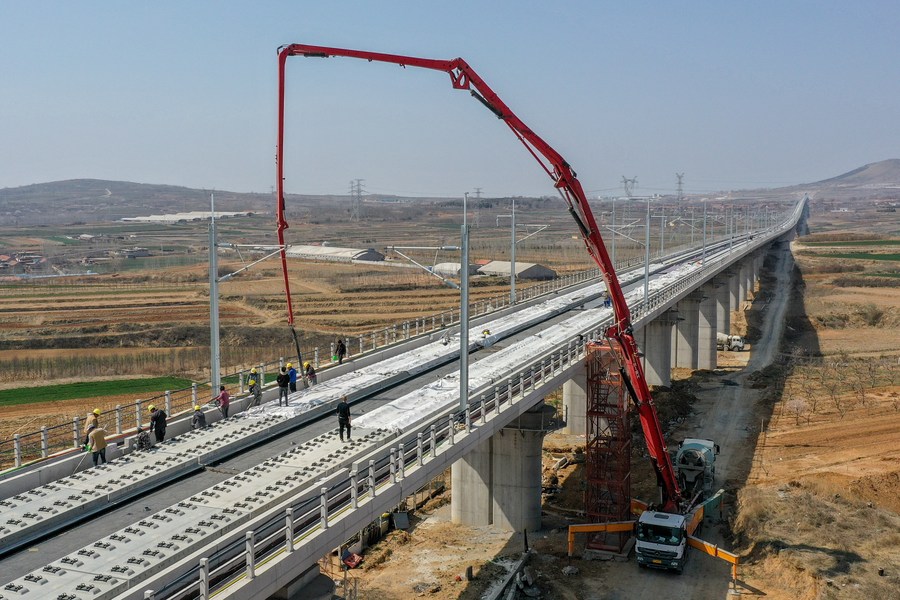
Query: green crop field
[[862, 256], [65, 241], [856, 243], [90, 389]]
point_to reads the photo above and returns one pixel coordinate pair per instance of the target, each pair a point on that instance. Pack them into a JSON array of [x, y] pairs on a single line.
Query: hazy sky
[[733, 94]]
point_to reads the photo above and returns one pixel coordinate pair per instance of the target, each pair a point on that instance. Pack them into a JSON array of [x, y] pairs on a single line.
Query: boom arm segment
[[463, 77]]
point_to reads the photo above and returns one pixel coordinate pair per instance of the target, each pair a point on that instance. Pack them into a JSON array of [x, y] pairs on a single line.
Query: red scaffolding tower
[[608, 451]]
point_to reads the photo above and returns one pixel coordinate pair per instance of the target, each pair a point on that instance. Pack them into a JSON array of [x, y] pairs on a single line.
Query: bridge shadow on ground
[[798, 344]]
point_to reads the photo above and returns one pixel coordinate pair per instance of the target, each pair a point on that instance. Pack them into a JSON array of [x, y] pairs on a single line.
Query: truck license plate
[[657, 562]]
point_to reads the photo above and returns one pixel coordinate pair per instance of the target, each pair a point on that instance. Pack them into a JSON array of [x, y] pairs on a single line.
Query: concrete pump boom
[[463, 77]]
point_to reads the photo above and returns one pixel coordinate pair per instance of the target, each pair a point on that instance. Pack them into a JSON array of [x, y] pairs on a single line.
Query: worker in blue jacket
[[292, 373]]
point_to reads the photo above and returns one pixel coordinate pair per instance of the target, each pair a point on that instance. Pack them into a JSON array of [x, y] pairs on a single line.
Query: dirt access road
[[725, 413]]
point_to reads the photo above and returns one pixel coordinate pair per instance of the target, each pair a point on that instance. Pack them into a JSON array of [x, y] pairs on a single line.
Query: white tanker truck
[[729, 342]]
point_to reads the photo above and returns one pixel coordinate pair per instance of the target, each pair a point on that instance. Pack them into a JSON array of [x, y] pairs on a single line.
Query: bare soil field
[[811, 471], [811, 444], [27, 418]]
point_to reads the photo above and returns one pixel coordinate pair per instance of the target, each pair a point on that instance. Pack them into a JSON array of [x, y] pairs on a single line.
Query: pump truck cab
[[661, 540], [662, 537]]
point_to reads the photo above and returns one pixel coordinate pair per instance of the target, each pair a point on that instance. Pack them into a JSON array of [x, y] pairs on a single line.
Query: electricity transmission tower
[[629, 185], [356, 192], [477, 219], [680, 177]]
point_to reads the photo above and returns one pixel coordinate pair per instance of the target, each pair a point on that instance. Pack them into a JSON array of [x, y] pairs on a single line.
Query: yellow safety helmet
[[289, 365], [196, 407], [96, 411], [151, 407], [253, 370], [306, 365], [251, 382]]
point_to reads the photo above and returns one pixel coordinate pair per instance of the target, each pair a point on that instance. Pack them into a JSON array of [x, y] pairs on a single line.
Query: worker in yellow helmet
[[309, 372], [198, 421], [97, 445], [92, 421], [256, 390]]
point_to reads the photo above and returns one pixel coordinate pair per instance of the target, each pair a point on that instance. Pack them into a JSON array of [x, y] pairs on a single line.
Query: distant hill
[[98, 200], [885, 173], [95, 200]]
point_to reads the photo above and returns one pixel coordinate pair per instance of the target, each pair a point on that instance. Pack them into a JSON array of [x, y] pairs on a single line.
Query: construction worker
[[223, 400], [343, 414], [97, 445], [198, 421], [341, 351], [310, 373], [283, 381], [158, 423], [256, 390], [93, 419], [292, 373], [142, 441]]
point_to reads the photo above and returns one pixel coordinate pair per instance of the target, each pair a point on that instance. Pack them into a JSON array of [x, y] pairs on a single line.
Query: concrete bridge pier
[[757, 265], [707, 316], [743, 277], [723, 308], [748, 273], [657, 349], [499, 482], [687, 331], [575, 402], [312, 585], [734, 290]]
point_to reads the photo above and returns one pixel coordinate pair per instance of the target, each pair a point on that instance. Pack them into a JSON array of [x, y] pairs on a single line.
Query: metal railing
[[48, 441], [24, 448], [282, 531]]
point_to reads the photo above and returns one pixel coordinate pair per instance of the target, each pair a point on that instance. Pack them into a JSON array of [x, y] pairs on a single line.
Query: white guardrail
[[231, 533]]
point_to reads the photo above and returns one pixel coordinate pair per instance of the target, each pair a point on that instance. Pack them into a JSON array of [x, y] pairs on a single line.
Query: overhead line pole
[[464, 312], [215, 357], [512, 258], [612, 227], [647, 256], [703, 255]]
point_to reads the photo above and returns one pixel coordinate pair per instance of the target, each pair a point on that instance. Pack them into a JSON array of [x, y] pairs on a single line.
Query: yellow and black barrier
[[614, 527]]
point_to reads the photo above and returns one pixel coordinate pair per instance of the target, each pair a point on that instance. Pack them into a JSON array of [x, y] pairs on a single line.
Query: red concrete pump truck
[[463, 77]]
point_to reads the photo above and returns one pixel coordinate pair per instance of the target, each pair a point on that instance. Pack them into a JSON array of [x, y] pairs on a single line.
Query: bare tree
[[799, 408], [860, 380], [835, 389], [811, 393]]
